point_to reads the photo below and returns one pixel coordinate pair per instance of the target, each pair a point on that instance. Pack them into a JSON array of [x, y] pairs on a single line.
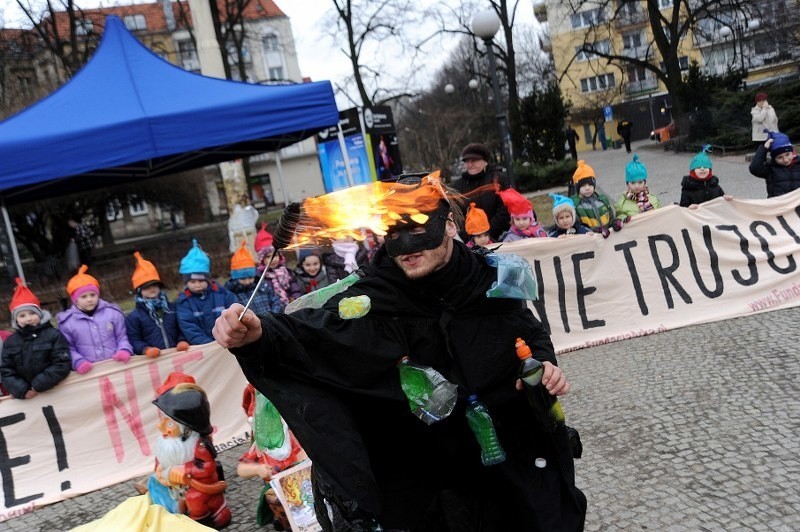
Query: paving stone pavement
[[692, 429]]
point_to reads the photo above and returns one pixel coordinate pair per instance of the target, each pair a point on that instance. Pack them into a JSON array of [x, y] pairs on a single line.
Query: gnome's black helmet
[[188, 405]]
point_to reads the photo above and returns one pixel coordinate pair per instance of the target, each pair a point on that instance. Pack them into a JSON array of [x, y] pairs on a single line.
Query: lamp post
[[738, 30], [484, 25]]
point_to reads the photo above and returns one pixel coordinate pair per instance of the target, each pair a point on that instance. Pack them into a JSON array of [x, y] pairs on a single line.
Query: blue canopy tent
[[130, 115]]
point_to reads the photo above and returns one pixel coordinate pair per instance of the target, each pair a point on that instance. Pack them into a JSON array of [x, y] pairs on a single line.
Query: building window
[[188, 56], [586, 19], [603, 47], [270, 43], [597, 83], [113, 211], [276, 73], [665, 3], [631, 40], [683, 61], [137, 206], [135, 22], [84, 27]]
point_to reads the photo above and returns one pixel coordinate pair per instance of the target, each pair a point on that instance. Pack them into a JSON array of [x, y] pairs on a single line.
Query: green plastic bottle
[[480, 421], [267, 424], [545, 406], [430, 396]]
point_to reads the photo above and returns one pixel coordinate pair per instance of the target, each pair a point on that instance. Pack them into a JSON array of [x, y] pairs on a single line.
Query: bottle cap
[[541, 463], [523, 351]]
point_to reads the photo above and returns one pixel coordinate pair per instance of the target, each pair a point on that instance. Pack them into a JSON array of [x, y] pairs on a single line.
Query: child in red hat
[[36, 357], [93, 327], [523, 220]]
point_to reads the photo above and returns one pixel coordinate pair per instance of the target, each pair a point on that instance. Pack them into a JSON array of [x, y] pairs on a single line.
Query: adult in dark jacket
[[153, 323], [782, 172], [624, 129], [479, 173], [36, 357], [336, 383], [572, 139]]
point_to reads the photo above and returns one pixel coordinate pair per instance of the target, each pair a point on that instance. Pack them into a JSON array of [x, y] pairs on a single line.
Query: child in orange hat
[[523, 220], [477, 227], [36, 357], [243, 282], [153, 324], [93, 327]]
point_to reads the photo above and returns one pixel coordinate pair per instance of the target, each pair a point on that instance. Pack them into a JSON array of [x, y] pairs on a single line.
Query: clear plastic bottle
[[480, 421], [546, 407], [430, 396]]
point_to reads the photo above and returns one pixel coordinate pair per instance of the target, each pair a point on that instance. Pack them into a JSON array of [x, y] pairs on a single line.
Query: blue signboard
[[608, 112], [332, 162]]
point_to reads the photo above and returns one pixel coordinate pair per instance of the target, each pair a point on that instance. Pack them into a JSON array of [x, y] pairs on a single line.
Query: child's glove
[[151, 352], [84, 367], [616, 224], [606, 233], [183, 345], [121, 356]]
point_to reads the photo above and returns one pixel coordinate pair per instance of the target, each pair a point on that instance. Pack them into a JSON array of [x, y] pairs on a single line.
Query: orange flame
[[374, 206]]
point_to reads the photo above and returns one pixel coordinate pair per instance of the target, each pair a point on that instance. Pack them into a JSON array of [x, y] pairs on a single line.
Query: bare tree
[[669, 22]]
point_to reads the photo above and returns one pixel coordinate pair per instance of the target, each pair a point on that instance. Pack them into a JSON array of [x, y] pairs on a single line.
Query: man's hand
[[230, 332], [553, 379]]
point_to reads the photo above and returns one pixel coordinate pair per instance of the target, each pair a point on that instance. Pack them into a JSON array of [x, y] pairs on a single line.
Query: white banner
[[666, 269], [99, 429]]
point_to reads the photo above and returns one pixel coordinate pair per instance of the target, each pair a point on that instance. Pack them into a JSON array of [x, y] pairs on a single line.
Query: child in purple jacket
[[93, 327]]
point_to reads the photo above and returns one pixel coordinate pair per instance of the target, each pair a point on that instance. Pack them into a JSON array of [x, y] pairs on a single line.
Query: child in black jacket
[[36, 357], [782, 173], [701, 184]]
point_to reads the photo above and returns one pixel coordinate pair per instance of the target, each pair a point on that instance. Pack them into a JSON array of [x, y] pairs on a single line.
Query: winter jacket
[[594, 211], [627, 207], [780, 179], [94, 337], [763, 118], [489, 201], [308, 284], [335, 264], [534, 231], [264, 301], [198, 312], [144, 331], [694, 191], [35, 357], [336, 383], [577, 229]]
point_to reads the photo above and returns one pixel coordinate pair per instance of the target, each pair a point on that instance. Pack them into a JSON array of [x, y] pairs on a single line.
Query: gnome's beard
[[172, 452]]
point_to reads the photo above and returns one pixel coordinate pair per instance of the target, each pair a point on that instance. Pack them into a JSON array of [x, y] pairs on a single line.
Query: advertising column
[[334, 175], [382, 142]]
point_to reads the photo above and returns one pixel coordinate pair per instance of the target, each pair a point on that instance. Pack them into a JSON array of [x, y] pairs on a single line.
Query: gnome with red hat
[[36, 357], [523, 220]]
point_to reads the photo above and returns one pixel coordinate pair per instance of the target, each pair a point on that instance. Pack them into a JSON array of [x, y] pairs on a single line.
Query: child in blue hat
[[782, 172], [637, 198], [203, 300], [701, 184], [565, 218]]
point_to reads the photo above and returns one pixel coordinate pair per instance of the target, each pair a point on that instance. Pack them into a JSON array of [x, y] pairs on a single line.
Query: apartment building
[[758, 37]]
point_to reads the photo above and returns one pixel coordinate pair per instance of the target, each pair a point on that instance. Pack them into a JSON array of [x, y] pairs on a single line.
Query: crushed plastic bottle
[[267, 424], [515, 278], [480, 421], [545, 406], [318, 298], [430, 396]]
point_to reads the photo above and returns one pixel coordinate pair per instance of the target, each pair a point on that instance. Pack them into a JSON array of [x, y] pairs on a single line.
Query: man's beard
[[175, 452]]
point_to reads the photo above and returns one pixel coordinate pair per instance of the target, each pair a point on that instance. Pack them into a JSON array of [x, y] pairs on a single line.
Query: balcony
[[644, 85], [625, 18], [639, 52]]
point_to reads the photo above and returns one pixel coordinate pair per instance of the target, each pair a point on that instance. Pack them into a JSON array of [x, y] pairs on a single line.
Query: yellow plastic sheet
[[136, 514]]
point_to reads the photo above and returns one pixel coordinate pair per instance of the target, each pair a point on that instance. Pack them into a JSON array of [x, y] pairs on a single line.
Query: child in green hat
[[637, 198], [701, 184]]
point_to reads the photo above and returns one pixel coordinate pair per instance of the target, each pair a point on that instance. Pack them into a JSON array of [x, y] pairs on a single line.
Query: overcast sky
[[319, 58]]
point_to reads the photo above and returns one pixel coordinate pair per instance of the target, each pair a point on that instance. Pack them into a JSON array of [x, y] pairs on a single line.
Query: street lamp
[[738, 32], [484, 25]]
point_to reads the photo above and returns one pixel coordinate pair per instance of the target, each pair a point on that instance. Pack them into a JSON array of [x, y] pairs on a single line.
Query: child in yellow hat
[[153, 324], [592, 206], [94, 328]]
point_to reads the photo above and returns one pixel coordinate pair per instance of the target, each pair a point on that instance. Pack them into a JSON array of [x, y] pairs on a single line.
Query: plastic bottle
[[430, 396], [480, 421], [267, 424], [546, 407]]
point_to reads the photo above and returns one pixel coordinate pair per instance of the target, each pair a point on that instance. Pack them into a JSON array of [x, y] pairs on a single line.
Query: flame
[[377, 206]]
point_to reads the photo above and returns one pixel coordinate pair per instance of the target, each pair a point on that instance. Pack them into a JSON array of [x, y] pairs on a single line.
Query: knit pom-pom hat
[[583, 171], [23, 299], [263, 238], [635, 171], [780, 143], [82, 283], [702, 160], [195, 261], [144, 273], [518, 205], [243, 264], [562, 203]]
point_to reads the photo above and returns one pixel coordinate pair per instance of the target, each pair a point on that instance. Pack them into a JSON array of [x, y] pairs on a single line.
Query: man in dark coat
[[624, 130], [479, 173], [572, 138], [336, 383]]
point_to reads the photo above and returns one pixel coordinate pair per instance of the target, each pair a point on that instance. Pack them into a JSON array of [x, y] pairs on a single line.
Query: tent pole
[[342, 146], [280, 178], [12, 243]]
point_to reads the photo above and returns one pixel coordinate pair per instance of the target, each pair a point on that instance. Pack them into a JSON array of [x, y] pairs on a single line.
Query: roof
[[129, 115]]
